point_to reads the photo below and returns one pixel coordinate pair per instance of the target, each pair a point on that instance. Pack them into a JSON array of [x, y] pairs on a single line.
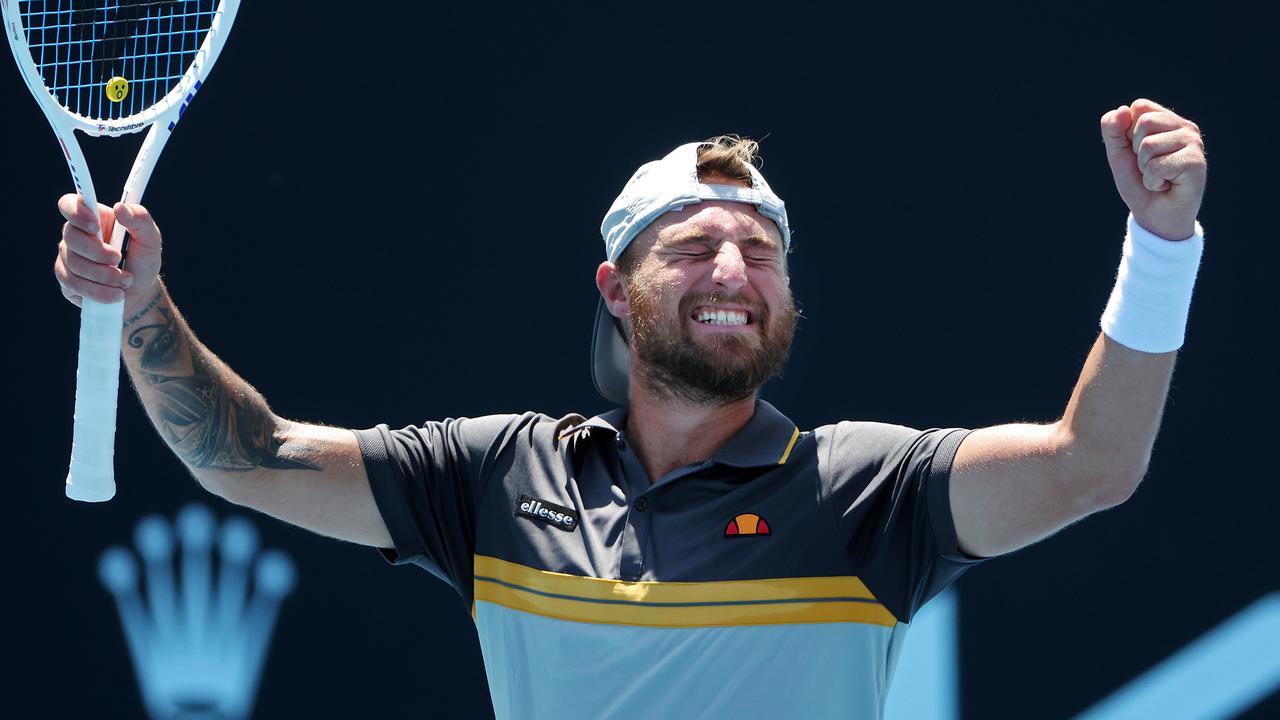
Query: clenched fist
[[1157, 160], [88, 267]]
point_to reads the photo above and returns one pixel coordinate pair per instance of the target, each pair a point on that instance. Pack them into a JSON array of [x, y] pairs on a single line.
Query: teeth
[[722, 317]]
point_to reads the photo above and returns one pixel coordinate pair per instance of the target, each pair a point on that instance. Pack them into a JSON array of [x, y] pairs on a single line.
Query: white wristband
[[1152, 297]]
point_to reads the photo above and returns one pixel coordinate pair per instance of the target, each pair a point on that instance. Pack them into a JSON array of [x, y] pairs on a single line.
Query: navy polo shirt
[[774, 579]]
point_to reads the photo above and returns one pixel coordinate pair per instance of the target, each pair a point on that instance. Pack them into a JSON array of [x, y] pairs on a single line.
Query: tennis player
[[691, 553]]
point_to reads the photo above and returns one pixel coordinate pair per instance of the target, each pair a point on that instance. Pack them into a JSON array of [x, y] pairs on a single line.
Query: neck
[[667, 433]]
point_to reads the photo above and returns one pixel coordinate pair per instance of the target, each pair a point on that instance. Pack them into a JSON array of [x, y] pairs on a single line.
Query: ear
[[613, 288]]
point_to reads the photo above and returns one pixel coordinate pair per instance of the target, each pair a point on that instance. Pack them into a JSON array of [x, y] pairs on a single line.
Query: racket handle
[[93, 433]]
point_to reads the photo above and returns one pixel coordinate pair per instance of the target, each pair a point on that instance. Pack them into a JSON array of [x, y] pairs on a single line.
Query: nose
[[730, 270]]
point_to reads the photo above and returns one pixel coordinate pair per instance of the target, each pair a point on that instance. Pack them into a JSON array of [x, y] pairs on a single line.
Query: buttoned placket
[[635, 527], [640, 494]]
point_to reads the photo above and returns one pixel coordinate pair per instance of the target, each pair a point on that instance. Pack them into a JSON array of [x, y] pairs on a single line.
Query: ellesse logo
[[747, 525], [557, 516]]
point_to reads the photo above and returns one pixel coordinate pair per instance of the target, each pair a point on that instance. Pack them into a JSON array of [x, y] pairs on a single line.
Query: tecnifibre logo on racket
[[199, 637]]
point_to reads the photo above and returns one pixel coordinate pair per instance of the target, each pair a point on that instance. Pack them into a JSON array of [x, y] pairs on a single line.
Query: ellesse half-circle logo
[[747, 525], [555, 515]]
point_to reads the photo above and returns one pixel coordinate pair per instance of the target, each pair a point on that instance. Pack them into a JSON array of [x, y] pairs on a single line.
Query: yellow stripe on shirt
[[677, 604]]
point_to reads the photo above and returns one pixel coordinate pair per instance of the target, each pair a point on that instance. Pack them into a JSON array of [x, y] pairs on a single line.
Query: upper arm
[[1011, 486], [319, 483]]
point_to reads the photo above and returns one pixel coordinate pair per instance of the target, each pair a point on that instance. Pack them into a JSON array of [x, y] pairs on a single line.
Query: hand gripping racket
[[111, 67]]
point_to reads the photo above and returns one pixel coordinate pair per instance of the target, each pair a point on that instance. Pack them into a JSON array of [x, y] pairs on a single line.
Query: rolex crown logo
[[198, 638]]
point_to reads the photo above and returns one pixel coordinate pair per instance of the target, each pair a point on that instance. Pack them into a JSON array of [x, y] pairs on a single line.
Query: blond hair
[[728, 157]]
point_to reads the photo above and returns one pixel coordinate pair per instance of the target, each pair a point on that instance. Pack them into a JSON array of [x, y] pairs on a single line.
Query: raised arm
[[1012, 485], [215, 422]]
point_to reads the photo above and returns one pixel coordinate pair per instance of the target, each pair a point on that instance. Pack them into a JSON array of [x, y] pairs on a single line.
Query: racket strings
[[110, 59]]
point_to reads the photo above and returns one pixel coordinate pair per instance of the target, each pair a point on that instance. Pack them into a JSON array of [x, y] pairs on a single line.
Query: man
[[692, 553]]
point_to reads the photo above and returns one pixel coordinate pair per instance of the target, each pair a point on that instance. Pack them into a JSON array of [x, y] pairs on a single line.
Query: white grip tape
[[92, 475], [1152, 297]]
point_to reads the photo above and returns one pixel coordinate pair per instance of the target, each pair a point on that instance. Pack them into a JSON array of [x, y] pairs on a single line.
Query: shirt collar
[[767, 439], [611, 422]]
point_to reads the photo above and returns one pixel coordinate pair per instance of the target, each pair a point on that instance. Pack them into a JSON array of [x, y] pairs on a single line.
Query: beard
[[716, 369]]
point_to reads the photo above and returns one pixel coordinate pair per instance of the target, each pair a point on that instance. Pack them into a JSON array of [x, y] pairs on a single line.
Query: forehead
[[713, 219]]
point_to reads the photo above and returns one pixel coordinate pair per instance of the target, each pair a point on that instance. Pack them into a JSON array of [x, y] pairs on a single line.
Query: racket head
[[111, 67]]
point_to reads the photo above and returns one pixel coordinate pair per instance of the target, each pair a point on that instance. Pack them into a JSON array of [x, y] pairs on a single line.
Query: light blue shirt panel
[[540, 667]]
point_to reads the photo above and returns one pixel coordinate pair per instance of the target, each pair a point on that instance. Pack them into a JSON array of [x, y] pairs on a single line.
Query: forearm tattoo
[[143, 312], [210, 417]]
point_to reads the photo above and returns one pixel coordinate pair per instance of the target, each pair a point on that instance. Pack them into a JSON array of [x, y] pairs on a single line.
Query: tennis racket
[[111, 67]]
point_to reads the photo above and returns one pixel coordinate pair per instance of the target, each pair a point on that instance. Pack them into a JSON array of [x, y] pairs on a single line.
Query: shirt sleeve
[[889, 488], [427, 482]]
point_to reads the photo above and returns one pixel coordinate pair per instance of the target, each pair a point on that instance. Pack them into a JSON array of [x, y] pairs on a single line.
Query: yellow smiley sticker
[[117, 89]]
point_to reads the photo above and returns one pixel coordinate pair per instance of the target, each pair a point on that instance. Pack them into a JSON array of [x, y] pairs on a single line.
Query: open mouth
[[720, 316]]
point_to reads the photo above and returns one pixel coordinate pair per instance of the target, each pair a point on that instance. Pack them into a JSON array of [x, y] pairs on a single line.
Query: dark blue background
[[394, 218]]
